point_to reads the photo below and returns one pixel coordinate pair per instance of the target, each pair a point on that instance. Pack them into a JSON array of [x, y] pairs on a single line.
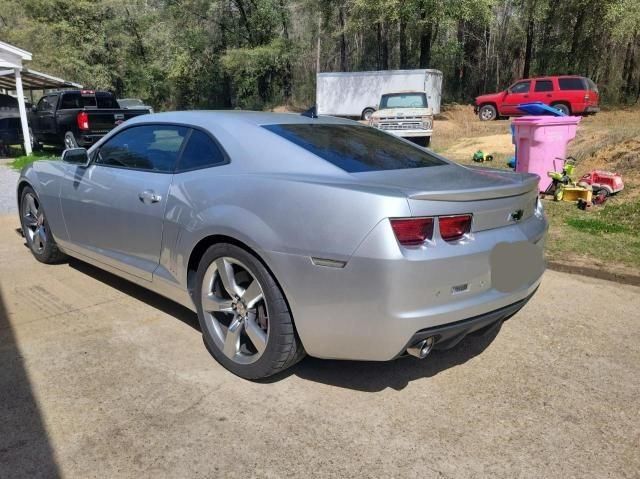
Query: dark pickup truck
[[73, 118]]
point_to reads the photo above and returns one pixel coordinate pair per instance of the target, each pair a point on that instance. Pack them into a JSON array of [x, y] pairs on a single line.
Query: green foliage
[[24, 160], [257, 72], [257, 53], [591, 225]]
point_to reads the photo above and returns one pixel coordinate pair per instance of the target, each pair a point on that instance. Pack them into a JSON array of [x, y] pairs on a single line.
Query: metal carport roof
[[33, 80]]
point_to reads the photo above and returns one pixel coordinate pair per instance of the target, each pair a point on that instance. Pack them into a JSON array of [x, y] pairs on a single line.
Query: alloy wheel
[[34, 224], [235, 310]]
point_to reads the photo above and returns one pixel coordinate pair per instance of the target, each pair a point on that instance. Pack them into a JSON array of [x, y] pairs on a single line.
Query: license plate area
[[515, 265]]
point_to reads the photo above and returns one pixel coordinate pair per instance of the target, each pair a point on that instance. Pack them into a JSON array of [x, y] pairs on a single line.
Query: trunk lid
[[494, 198]]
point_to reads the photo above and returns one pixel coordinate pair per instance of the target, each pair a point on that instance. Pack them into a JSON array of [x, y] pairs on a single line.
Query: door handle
[[149, 196]]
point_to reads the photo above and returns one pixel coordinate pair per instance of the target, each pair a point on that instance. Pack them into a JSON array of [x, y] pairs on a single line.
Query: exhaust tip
[[422, 348]]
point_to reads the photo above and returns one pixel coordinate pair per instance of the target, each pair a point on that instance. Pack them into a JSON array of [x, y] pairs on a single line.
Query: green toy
[[480, 157]]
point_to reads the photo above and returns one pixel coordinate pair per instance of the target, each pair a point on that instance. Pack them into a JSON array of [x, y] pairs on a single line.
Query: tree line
[[263, 53]]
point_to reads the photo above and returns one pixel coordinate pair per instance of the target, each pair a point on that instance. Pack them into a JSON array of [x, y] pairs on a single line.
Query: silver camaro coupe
[[289, 234]]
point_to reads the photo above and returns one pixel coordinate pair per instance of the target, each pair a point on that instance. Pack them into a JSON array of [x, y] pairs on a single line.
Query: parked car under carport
[[10, 134]]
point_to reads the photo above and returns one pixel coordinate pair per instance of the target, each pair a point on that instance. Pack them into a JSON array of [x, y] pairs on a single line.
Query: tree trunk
[[287, 75], [402, 44], [459, 69], [425, 42], [575, 42], [528, 46], [343, 40], [383, 47]]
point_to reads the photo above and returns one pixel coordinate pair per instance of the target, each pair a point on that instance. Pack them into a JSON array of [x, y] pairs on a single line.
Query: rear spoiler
[[528, 183]]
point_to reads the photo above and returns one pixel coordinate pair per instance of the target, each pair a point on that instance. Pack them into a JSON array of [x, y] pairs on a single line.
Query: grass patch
[[605, 236], [24, 160], [595, 226]]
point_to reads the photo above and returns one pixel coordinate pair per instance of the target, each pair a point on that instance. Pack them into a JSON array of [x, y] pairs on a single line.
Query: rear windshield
[[88, 100], [592, 85], [572, 84], [404, 100], [356, 148]]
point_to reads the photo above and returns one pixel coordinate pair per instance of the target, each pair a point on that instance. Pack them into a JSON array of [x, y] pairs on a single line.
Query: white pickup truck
[[405, 114]]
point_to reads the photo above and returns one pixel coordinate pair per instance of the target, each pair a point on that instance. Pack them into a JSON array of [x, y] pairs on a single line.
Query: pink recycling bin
[[540, 141]]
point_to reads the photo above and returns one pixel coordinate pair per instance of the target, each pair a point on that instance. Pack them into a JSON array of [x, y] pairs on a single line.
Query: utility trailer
[[357, 94]]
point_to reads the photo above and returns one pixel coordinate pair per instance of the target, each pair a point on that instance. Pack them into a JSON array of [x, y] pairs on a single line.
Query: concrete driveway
[[100, 378]]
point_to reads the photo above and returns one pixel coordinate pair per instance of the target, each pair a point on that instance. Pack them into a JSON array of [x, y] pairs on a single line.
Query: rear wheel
[[366, 113], [564, 108], [36, 229], [488, 113], [244, 317], [70, 141], [604, 192]]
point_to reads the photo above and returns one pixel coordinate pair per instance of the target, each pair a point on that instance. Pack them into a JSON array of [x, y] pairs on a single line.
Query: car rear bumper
[[88, 140], [376, 304], [449, 335], [592, 109]]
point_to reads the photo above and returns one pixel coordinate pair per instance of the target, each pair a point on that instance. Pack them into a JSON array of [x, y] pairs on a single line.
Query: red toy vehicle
[[602, 182], [573, 95]]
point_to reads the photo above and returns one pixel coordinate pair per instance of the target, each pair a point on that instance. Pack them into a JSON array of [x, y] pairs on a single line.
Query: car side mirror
[[76, 156], [34, 108]]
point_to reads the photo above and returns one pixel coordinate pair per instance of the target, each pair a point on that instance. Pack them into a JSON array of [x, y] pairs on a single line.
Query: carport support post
[[23, 112]]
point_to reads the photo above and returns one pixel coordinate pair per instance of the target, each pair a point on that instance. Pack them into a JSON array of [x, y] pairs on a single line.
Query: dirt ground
[[609, 141], [100, 378]]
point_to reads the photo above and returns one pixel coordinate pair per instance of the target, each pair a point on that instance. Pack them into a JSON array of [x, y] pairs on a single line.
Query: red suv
[[573, 95]]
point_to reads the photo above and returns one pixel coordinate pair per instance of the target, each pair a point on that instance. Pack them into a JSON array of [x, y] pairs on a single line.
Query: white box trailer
[[357, 93]]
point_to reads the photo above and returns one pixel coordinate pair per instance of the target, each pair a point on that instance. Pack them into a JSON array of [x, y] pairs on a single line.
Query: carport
[[14, 76]]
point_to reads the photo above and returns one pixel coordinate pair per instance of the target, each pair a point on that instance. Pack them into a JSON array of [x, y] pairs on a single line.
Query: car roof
[[230, 118], [548, 77]]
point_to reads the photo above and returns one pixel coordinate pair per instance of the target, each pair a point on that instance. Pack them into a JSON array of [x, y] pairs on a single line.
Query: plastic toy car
[[602, 182]]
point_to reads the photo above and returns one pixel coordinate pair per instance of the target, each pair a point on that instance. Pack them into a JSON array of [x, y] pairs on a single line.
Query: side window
[[70, 101], [145, 147], [44, 105], [200, 152], [544, 85], [521, 87], [571, 84]]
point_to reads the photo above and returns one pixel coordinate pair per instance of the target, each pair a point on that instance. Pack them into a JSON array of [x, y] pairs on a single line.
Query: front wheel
[[244, 317], [35, 144], [36, 229]]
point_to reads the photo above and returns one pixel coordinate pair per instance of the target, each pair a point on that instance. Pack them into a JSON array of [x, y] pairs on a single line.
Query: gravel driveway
[[8, 180]]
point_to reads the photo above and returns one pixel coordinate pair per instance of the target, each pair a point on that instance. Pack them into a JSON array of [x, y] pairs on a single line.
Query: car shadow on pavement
[[138, 292], [397, 374], [25, 448], [365, 376]]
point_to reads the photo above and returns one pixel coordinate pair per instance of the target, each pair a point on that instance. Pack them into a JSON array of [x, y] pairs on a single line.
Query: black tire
[[563, 107], [35, 144], [487, 113], [45, 251], [366, 113], [604, 192], [283, 347], [70, 141], [424, 141]]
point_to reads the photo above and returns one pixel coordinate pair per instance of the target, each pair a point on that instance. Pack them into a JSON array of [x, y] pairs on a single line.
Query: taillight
[[412, 231], [586, 97], [83, 120], [453, 228]]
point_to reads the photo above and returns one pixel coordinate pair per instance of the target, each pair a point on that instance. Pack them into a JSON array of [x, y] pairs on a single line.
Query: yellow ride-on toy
[[563, 187]]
